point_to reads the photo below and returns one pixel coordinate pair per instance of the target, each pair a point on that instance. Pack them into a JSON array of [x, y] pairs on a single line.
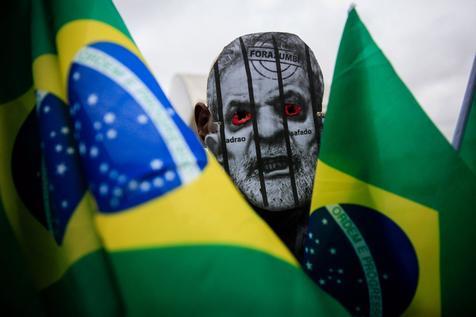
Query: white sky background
[[431, 43]]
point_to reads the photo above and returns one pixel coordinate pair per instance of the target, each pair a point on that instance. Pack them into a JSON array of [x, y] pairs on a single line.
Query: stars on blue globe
[[63, 174], [131, 141], [362, 258], [309, 266]]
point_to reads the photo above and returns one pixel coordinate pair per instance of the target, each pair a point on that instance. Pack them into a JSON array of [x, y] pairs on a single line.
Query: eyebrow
[[237, 103], [287, 95]]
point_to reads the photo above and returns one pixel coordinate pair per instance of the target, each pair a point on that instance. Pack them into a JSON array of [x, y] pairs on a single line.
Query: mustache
[[245, 175], [271, 158]]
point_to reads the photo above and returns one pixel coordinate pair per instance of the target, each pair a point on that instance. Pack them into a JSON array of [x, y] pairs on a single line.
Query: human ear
[[202, 119]]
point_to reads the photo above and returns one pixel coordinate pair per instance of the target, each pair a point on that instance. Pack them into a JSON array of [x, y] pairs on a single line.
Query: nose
[[270, 123]]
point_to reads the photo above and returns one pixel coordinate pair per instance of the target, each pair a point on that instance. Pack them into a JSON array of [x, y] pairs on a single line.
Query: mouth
[[275, 166]]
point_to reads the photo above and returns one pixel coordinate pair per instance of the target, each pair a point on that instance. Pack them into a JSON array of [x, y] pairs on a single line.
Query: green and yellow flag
[[182, 241], [179, 239], [45, 196], [392, 222]]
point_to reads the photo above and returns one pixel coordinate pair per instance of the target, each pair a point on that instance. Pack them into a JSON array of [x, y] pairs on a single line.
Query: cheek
[[238, 143], [305, 143], [303, 134], [236, 151], [302, 130]]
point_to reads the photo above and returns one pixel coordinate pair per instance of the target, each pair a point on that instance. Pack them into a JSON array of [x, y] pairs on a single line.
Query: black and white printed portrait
[[264, 92]]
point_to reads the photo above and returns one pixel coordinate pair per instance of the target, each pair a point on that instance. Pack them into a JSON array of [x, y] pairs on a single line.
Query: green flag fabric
[[467, 149], [16, 286], [392, 216], [115, 204]]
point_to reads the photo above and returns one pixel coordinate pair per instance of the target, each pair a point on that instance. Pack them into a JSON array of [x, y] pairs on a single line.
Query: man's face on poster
[[240, 136]]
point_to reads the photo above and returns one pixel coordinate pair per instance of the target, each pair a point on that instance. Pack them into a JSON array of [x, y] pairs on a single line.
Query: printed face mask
[[265, 91]]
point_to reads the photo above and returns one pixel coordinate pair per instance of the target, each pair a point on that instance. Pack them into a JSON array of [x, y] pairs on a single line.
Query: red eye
[[292, 110], [241, 117]]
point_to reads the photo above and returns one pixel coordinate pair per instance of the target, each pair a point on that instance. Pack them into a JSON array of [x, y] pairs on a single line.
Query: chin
[[277, 204]]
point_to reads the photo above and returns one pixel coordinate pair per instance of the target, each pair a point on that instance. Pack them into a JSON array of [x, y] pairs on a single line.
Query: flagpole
[[465, 108]]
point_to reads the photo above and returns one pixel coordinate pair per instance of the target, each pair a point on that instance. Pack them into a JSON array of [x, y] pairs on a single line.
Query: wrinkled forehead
[[235, 85], [252, 61], [259, 51]]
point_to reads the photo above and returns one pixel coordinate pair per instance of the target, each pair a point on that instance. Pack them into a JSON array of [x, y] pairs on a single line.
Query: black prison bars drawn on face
[[255, 124], [285, 124]]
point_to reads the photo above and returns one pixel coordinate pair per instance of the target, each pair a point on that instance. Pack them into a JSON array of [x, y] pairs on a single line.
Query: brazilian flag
[[181, 240], [116, 205], [392, 222], [47, 204]]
